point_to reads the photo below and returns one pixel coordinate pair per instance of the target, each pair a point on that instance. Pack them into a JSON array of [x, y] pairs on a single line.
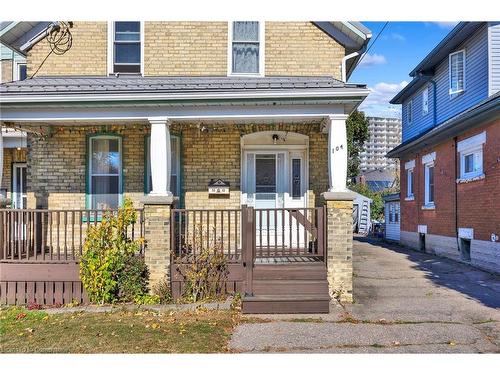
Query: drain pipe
[[348, 57]]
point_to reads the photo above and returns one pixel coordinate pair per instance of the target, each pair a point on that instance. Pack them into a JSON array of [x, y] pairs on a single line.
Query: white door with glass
[[19, 197], [275, 179]]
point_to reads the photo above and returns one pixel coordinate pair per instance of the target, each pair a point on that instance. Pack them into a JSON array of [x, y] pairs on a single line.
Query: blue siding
[[421, 121], [476, 88]]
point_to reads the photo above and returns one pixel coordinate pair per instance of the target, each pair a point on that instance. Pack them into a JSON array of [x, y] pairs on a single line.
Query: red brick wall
[[478, 201]]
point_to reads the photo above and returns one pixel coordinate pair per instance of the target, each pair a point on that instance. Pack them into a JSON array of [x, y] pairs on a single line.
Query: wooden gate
[[247, 236]]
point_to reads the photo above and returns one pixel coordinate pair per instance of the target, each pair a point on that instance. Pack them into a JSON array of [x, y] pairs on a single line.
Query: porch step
[[290, 287], [286, 304], [299, 271]]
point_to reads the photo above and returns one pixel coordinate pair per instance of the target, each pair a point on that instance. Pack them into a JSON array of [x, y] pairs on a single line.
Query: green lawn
[[23, 331]]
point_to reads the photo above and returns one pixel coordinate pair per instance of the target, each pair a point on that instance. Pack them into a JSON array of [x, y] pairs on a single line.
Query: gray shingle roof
[[125, 85]]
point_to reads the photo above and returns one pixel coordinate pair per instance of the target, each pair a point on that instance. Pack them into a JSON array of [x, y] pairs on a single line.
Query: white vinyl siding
[[457, 72], [392, 220]]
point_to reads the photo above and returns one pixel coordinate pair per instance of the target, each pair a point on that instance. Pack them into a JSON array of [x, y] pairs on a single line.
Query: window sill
[[456, 94], [409, 199], [465, 180], [429, 207]]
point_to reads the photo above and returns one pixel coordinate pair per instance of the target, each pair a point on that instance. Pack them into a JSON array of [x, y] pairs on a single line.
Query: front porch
[[282, 161]]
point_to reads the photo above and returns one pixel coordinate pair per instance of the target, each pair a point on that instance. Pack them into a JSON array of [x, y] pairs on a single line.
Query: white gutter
[[48, 98], [348, 57], [41, 35]]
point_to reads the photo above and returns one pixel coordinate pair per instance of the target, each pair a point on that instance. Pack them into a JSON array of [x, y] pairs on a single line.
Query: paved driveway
[[405, 302]]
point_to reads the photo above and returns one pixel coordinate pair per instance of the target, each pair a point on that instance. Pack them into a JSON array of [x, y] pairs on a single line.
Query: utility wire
[[371, 45]]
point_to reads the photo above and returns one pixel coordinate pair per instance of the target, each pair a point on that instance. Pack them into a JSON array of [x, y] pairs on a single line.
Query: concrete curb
[[226, 305]]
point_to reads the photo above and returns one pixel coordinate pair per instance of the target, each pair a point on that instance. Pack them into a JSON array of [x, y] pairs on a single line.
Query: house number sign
[[337, 148], [218, 187]]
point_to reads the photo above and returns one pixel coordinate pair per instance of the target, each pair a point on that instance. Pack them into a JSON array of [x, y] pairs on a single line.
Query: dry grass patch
[[200, 331]]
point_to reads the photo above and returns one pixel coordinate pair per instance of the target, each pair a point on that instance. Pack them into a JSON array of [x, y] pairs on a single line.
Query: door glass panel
[[296, 179], [265, 174]]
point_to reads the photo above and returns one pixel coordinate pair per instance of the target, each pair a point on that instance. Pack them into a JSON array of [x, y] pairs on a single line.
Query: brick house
[[208, 118], [451, 148]]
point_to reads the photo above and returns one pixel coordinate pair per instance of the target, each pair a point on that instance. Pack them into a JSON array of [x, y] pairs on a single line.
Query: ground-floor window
[[429, 184], [175, 167], [104, 172], [471, 156]]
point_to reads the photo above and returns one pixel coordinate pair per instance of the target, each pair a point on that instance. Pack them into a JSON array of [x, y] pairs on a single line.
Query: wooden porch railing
[[285, 232], [193, 230], [41, 235]]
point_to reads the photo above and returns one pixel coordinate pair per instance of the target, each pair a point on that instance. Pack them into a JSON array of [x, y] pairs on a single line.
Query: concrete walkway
[[405, 302]]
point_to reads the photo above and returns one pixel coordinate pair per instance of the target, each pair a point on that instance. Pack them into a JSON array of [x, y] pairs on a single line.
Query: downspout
[[456, 190], [348, 57]]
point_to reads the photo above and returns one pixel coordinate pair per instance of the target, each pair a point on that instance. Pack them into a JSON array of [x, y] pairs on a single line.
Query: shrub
[[162, 290], [133, 279], [107, 257], [206, 273]]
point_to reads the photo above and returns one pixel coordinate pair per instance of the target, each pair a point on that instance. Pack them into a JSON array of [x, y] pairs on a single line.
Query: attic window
[[457, 72], [127, 47]]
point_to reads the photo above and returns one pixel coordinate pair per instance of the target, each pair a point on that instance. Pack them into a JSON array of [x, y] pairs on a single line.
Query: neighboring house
[[12, 68], [392, 217], [378, 179], [361, 214], [451, 148], [239, 127], [384, 135]]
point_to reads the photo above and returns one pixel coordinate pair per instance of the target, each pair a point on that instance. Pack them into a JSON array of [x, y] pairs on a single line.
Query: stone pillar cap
[[158, 199], [339, 195]]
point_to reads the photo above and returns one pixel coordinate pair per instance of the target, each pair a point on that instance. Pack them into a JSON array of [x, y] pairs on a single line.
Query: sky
[[384, 69]]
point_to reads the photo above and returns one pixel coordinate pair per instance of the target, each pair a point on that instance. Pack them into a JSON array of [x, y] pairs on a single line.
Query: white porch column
[[337, 153], [160, 157]]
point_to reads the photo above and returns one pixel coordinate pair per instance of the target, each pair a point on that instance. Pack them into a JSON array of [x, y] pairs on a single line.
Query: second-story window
[[425, 101], [246, 48], [457, 72], [409, 111], [127, 47]]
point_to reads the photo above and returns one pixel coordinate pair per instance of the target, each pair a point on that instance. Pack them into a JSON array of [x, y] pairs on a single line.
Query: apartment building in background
[[385, 134]]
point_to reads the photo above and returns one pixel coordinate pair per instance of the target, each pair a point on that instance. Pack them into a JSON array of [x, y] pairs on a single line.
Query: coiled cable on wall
[[60, 40]]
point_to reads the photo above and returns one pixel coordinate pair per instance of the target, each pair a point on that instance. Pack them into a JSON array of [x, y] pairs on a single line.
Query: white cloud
[[397, 36], [377, 102], [370, 60], [445, 25]]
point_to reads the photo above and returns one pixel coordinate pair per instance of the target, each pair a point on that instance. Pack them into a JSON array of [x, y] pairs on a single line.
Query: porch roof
[[111, 85]]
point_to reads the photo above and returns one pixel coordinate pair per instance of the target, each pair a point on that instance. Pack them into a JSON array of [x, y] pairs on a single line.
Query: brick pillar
[[339, 244], [157, 234]]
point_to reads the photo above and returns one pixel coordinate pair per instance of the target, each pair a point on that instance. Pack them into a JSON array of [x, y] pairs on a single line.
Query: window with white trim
[[409, 183], [175, 166], [104, 173], [425, 101], [429, 184], [127, 47], [471, 156], [457, 71], [409, 111], [246, 47]]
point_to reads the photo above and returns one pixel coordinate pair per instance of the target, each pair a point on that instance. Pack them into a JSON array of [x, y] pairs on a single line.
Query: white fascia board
[[296, 94], [429, 158], [472, 142], [177, 113], [410, 164]]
